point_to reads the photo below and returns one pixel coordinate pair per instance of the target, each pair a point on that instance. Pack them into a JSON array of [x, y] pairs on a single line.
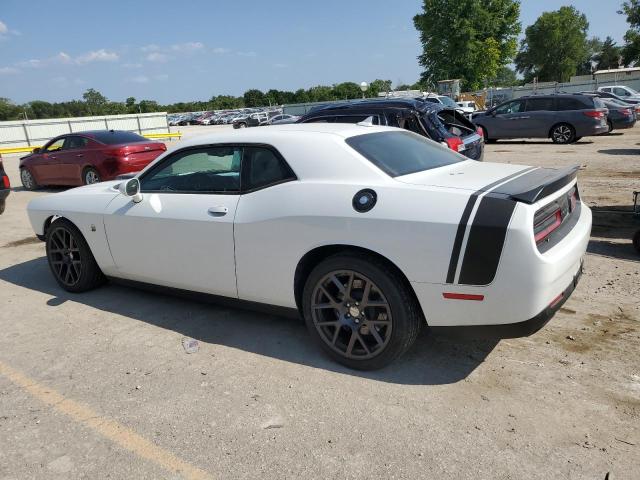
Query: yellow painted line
[[164, 135], [18, 149], [112, 430]]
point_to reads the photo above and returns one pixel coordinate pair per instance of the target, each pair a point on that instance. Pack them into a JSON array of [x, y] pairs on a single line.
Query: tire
[[361, 332], [610, 126], [636, 241], [70, 258], [28, 182], [485, 134], [90, 176], [563, 133], [242, 125]]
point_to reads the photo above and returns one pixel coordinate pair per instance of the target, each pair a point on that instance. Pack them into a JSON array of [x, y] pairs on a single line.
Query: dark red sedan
[[87, 157]]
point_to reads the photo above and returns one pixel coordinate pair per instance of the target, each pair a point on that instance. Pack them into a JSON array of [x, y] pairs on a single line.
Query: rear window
[[539, 104], [111, 137], [402, 153]]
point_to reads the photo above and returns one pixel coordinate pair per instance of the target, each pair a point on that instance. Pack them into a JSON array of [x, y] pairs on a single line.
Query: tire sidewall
[[86, 172], [88, 265], [393, 291], [26, 171], [571, 137]]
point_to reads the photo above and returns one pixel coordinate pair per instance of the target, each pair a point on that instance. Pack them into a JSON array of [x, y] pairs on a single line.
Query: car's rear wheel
[[563, 133], [90, 176], [70, 258], [609, 126], [28, 182], [360, 311]]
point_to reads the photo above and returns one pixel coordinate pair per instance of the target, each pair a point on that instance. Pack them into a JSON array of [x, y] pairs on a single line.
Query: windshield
[[448, 102], [402, 153]]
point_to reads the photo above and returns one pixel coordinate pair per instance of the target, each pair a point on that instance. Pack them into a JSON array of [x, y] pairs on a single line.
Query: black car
[[432, 120], [621, 115], [5, 186]]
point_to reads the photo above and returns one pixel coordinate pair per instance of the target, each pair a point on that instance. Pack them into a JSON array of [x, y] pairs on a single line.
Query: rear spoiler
[[538, 184]]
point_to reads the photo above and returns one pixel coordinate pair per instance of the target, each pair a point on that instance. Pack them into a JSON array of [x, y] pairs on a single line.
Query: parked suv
[[563, 118], [5, 186], [432, 120]]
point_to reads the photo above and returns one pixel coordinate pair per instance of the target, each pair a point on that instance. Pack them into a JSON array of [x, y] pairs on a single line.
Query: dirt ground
[[99, 385]]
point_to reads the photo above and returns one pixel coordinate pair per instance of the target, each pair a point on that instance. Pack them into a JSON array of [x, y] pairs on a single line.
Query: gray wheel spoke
[[328, 295], [352, 342], [335, 335], [320, 306], [362, 342], [338, 284], [375, 335]]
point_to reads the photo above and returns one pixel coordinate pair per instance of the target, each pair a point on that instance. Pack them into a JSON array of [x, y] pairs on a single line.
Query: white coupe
[[369, 232]]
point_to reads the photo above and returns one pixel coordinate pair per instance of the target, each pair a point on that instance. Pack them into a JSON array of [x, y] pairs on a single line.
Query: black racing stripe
[[486, 239], [462, 225], [457, 244]]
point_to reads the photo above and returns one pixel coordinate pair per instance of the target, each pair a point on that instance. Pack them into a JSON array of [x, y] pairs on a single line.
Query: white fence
[[25, 133]]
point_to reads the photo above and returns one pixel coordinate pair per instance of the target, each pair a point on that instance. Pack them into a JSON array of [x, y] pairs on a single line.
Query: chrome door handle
[[218, 211]]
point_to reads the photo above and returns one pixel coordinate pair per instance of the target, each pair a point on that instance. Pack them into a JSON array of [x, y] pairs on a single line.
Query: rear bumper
[[4, 193], [515, 330], [621, 123]]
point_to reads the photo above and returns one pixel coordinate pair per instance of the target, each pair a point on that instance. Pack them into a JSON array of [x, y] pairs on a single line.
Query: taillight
[[547, 224], [626, 112], [594, 113], [116, 152], [480, 132], [5, 182], [456, 144], [163, 147]]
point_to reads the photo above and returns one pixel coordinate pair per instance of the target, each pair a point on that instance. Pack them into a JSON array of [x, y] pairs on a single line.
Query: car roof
[[407, 103]]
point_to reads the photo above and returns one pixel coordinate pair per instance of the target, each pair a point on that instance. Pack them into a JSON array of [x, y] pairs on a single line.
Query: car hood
[[468, 175]]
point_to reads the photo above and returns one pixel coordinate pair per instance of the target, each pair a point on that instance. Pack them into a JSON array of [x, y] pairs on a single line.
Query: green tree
[[346, 91], [609, 55], [8, 110], [255, 98], [378, 86], [554, 46], [505, 77], [320, 93], [631, 49], [594, 47], [95, 101], [466, 39]]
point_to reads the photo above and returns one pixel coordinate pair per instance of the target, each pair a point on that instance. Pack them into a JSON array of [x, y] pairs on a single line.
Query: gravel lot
[[99, 385]]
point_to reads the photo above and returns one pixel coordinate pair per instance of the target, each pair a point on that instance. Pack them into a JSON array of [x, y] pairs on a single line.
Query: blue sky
[[191, 50]]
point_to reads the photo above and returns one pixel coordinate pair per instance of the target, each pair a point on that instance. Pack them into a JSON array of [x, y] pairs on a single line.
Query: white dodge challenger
[[369, 232]]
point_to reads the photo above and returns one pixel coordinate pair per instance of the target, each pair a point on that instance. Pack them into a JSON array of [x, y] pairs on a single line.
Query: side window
[[567, 103], [320, 120], [73, 142], [539, 104], [511, 107], [55, 145], [262, 167], [621, 92], [210, 170]]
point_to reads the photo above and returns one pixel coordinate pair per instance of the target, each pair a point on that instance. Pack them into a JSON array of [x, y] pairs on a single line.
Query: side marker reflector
[[556, 300], [462, 296]]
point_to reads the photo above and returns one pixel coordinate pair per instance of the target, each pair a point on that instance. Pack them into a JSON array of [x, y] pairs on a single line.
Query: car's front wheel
[[28, 182], [70, 258], [563, 133], [90, 176], [360, 311]]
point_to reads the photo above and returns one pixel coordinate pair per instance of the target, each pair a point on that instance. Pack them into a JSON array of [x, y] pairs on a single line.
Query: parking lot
[[99, 385]]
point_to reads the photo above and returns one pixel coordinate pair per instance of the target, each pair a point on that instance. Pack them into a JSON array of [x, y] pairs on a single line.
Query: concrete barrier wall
[[25, 133]]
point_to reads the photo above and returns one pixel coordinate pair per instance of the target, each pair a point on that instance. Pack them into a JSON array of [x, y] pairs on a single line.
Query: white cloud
[[101, 55], [3, 28], [9, 71], [157, 57], [220, 50], [248, 54], [150, 48], [187, 47], [131, 65], [139, 79]]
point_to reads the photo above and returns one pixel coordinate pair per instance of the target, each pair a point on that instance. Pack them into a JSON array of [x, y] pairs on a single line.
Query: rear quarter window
[[568, 103], [402, 153]]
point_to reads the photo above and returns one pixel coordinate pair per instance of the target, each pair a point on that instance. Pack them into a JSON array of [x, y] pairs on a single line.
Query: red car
[[87, 157], [5, 186]]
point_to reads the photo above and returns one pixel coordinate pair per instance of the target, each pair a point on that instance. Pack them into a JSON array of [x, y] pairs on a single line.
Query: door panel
[[47, 165], [175, 240], [71, 159], [506, 123]]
